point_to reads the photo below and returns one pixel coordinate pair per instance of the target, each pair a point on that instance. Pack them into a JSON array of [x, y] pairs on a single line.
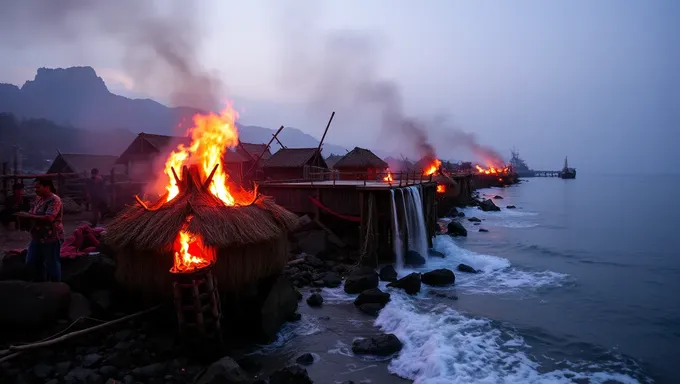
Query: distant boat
[[567, 173], [519, 166]]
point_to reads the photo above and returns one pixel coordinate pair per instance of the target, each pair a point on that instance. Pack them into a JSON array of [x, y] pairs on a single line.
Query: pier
[[546, 174]]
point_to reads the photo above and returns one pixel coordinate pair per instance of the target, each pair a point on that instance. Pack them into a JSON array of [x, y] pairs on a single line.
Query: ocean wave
[[442, 345], [306, 326]]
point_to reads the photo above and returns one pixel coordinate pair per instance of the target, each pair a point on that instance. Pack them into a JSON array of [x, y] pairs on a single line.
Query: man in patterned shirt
[[47, 233]]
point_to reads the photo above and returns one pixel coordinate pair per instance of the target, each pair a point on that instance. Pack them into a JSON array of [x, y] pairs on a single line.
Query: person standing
[[47, 233], [96, 195]]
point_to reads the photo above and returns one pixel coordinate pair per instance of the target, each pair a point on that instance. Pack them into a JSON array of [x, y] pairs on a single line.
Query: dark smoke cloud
[[340, 70], [159, 41]]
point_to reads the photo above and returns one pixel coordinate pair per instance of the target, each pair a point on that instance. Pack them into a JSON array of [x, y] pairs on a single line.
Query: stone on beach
[[510, 207], [315, 300], [293, 374], [466, 268], [305, 359], [224, 370], [483, 230], [30, 305], [455, 228], [388, 273], [361, 279], [383, 345], [414, 258], [439, 277], [474, 219], [332, 280], [488, 206], [409, 283], [374, 296], [434, 253]]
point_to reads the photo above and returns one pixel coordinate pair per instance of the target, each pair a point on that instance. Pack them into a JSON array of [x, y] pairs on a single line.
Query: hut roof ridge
[[83, 162], [359, 158], [290, 157]]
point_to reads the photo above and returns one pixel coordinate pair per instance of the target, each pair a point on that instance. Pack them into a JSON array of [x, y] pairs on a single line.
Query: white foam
[[444, 346], [306, 326]]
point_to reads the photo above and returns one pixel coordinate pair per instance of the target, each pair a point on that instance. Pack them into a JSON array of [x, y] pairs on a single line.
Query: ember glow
[[441, 188], [211, 136], [432, 168], [388, 178], [491, 170], [191, 253]]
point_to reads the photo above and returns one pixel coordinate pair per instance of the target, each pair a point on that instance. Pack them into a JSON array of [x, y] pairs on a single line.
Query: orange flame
[[211, 135], [441, 188], [185, 257], [388, 178], [433, 167], [491, 170]]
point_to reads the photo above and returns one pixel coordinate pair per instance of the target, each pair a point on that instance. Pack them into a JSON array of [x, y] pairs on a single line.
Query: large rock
[[488, 206], [88, 273], [293, 374], [474, 219], [13, 266], [455, 228], [281, 303], [374, 296], [332, 280], [311, 242], [30, 305], [410, 283], [434, 253], [439, 277], [361, 279], [414, 258], [383, 345], [315, 300], [224, 370], [388, 273]]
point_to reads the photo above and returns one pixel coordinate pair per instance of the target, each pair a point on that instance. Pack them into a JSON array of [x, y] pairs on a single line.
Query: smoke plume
[[341, 70], [159, 45]]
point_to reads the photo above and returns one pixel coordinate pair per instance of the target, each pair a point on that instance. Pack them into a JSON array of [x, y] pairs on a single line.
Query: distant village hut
[[361, 164], [295, 164], [254, 156], [332, 159], [82, 164], [139, 157]]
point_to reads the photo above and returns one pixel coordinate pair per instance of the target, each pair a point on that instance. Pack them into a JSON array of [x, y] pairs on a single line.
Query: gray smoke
[[159, 44], [340, 70]]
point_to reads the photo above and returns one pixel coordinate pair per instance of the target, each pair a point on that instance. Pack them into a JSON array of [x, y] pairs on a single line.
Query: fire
[[441, 188], [491, 170], [388, 178], [186, 259], [436, 164], [211, 135]]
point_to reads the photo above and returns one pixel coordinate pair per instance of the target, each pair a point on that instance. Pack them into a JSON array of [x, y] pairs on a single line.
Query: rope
[[328, 210], [369, 231]]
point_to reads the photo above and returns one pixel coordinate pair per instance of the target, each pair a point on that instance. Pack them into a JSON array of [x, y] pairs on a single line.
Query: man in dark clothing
[[96, 195], [47, 233]]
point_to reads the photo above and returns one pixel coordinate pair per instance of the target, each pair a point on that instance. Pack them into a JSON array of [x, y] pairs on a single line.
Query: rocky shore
[[146, 349]]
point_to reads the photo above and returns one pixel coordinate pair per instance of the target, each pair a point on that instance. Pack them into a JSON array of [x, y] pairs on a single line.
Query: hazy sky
[[595, 80]]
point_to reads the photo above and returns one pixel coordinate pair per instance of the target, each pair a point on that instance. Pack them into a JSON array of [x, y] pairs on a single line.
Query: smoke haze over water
[[159, 44]]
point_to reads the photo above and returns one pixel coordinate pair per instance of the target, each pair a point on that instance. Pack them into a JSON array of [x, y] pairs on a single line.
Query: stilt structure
[[197, 304]]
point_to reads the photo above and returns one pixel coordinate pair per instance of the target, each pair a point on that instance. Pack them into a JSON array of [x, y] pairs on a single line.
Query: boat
[[519, 166], [567, 173]]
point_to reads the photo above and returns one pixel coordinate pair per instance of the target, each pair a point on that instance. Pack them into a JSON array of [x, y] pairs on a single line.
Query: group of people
[[44, 220]]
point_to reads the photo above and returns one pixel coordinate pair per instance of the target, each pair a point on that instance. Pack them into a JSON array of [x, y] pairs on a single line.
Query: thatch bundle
[[250, 241]]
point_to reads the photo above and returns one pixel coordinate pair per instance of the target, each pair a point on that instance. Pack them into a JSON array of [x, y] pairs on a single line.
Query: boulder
[[31, 305], [361, 279], [224, 370], [510, 207], [293, 374], [488, 206], [439, 277], [433, 253], [88, 273], [455, 228], [332, 280], [280, 304], [373, 296], [483, 230], [474, 219], [311, 242], [78, 307], [315, 300], [383, 345], [498, 197], [461, 214], [466, 268], [410, 283], [305, 359], [388, 273], [414, 258], [13, 266]]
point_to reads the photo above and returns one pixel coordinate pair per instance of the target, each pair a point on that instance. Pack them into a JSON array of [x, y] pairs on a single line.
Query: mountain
[[78, 97]]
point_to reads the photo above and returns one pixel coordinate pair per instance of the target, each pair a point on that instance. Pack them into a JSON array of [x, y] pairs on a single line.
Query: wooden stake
[[206, 185]]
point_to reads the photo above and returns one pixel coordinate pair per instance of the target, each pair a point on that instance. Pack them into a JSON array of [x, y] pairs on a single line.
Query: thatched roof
[[360, 158], [292, 157], [254, 150], [146, 144], [332, 159], [81, 163], [219, 225]]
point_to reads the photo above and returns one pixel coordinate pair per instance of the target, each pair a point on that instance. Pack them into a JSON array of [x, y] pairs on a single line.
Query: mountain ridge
[[78, 97]]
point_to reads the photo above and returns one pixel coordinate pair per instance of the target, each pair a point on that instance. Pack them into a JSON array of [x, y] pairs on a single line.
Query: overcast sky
[[595, 80]]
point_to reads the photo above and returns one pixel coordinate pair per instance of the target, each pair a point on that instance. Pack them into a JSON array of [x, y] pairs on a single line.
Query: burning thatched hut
[[195, 227]]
